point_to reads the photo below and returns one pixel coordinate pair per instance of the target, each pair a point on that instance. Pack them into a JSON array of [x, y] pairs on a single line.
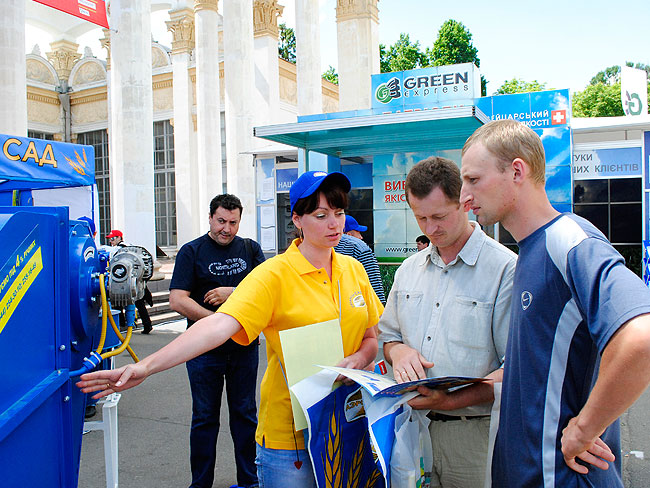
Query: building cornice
[[265, 18], [181, 26], [162, 80], [97, 97], [63, 57], [44, 96], [206, 5], [357, 9]]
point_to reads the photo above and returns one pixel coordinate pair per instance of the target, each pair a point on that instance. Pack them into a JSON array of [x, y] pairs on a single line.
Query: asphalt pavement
[[154, 423]]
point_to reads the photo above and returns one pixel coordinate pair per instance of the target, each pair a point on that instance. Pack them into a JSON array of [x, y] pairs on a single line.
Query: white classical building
[[172, 126]]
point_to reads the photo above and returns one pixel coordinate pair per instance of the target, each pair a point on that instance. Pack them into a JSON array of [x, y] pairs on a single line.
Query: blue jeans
[[207, 373], [276, 468]]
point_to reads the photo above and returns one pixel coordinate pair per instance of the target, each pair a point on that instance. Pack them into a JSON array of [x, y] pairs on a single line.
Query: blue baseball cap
[[311, 181], [352, 224]]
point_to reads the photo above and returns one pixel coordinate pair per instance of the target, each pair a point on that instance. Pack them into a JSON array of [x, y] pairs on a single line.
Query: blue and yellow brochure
[[381, 385]]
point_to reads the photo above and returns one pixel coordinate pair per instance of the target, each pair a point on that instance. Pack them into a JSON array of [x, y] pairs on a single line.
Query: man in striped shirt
[[359, 250]]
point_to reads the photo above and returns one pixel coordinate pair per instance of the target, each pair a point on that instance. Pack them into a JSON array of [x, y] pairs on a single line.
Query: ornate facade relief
[[330, 97], [356, 9], [163, 92], [87, 71], [89, 109], [181, 26], [63, 57], [265, 17], [43, 106], [288, 82], [159, 56], [38, 69]]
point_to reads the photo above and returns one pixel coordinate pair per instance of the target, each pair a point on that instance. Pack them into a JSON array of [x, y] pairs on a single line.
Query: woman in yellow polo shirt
[[307, 284]]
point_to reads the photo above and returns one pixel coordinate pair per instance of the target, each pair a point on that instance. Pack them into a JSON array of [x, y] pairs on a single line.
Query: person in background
[[422, 242], [353, 228], [351, 244], [115, 238], [206, 272], [579, 347], [448, 314], [307, 284]]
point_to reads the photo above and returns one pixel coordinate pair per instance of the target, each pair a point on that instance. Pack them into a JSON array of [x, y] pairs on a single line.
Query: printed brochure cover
[[381, 385]]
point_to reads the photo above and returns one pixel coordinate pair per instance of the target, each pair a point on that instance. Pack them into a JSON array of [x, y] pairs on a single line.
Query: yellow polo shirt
[[287, 291]]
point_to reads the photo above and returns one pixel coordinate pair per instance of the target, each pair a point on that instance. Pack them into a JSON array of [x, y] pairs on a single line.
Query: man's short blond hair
[[508, 140]]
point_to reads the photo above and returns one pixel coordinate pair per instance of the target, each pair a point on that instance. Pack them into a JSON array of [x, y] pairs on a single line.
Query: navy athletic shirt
[[571, 293]]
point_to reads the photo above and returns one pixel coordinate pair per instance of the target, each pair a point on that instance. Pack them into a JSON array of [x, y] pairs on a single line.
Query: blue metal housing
[[48, 317]]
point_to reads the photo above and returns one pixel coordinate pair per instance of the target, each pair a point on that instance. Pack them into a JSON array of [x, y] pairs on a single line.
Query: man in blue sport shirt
[[578, 351]]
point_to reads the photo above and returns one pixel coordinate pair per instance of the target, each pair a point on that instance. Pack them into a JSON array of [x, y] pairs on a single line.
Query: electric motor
[[130, 268]]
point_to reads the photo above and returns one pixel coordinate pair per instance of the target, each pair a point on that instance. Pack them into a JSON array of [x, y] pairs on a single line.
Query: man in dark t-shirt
[[206, 272]]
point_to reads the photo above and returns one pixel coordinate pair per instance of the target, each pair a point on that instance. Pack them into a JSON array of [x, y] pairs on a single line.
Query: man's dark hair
[[431, 173], [423, 239], [335, 195], [226, 201]]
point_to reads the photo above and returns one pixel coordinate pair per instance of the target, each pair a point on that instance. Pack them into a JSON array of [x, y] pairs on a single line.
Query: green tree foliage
[[517, 85], [602, 97], [598, 100], [454, 46], [402, 55], [331, 75], [287, 43], [612, 75]]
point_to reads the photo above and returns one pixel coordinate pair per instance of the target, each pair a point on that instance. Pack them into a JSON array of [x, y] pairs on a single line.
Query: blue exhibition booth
[[48, 312], [414, 115]]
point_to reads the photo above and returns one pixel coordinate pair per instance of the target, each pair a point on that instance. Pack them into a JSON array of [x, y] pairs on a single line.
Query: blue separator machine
[[53, 283]]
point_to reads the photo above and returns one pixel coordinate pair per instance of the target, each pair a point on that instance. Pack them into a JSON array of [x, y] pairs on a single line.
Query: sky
[[560, 43]]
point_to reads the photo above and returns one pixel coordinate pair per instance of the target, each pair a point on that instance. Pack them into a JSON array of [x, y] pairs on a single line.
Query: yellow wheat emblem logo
[[80, 165], [334, 465], [332, 461]]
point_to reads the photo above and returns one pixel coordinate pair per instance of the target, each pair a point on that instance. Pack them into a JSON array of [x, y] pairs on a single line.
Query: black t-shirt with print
[[203, 264]]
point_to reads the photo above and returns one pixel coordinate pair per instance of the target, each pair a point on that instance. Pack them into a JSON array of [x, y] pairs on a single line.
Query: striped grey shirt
[[359, 250]]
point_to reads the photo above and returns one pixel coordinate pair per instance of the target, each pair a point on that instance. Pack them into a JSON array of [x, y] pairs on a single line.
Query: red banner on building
[[91, 10]]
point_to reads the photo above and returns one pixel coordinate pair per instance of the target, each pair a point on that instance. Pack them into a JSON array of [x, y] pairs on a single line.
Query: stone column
[[187, 210], [105, 42], [310, 91], [267, 75], [13, 66], [131, 119], [239, 88], [208, 110], [63, 57], [357, 25]]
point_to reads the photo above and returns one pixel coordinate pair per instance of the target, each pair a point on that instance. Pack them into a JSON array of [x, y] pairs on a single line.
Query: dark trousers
[[143, 313], [141, 306], [207, 373]]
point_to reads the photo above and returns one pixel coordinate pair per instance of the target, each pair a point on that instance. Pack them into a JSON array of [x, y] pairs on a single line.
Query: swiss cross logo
[[558, 117]]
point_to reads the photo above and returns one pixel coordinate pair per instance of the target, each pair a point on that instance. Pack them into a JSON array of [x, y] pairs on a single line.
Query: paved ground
[[154, 422]]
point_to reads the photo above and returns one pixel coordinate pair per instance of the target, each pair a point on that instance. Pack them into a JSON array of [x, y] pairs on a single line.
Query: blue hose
[[94, 359], [89, 364]]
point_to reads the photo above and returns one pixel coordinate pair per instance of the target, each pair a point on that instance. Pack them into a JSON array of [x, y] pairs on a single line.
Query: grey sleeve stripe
[[561, 237]]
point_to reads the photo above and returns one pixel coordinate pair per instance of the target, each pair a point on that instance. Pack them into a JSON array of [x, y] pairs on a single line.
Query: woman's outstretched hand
[[109, 381]]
